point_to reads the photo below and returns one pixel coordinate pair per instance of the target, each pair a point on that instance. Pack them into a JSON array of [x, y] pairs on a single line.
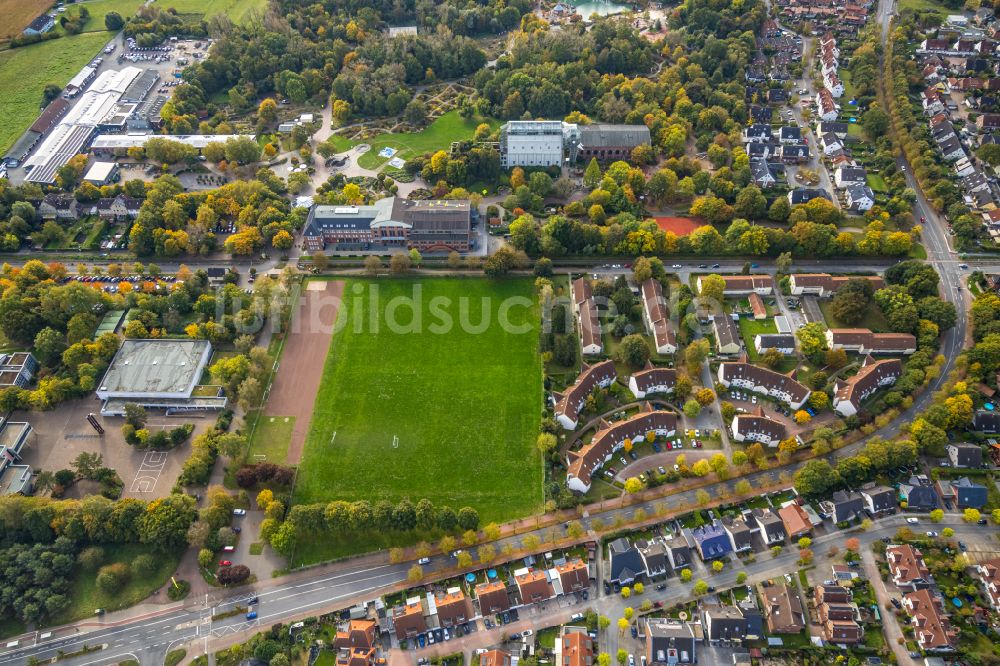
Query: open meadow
[[437, 136], [451, 416], [25, 71]]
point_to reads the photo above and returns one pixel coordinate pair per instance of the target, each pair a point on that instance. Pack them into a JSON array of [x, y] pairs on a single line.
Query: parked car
[[912, 521], [239, 512], [224, 563], [932, 534], [252, 615], [424, 560]]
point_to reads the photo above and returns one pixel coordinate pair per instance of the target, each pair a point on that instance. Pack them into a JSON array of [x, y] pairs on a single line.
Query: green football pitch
[[450, 413]]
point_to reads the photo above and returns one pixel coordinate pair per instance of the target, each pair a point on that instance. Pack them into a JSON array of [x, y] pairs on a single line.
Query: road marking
[[149, 472]]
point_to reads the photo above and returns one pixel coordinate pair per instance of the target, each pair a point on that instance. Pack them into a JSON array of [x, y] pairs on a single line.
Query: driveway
[[890, 623]]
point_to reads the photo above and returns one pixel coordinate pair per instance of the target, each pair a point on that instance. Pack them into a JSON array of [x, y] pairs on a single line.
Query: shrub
[[234, 575], [271, 474], [144, 566], [112, 577], [178, 591], [91, 558]]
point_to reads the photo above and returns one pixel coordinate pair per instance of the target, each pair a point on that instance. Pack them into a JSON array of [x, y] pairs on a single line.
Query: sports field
[[445, 413]]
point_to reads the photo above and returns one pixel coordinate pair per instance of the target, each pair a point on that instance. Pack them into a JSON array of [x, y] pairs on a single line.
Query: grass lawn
[[873, 319], [340, 143], [237, 10], [87, 598], [436, 136], [11, 627], [444, 412], [922, 5], [751, 328], [271, 438], [25, 71], [877, 183]]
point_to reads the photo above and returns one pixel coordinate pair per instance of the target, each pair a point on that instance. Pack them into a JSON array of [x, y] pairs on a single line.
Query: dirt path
[[296, 383]]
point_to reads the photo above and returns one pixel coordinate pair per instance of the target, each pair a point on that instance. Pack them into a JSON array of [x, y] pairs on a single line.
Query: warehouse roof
[[155, 366]]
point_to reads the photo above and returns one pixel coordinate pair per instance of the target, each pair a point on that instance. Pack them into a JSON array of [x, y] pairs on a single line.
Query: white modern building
[[534, 142]]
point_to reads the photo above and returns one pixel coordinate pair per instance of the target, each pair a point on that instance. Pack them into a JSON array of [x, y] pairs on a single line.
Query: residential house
[[739, 534], [860, 198], [931, 627], [919, 494], [872, 376], [762, 174], [796, 521], [844, 572], [832, 594], [355, 645], [826, 106], [756, 427], [627, 565], [587, 317], [678, 551], [763, 381], [843, 632], [573, 647], [783, 342], [837, 129], [654, 557], [654, 309], [762, 151], [989, 576], [772, 528], [669, 642], [495, 658], [408, 619], [782, 610], [573, 576], [790, 134], [797, 153], [119, 208], [803, 195], [58, 207], [907, 567], [652, 380], [830, 143], [570, 403], [582, 464], [533, 585], [453, 607], [963, 493], [493, 597], [845, 506], [988, 121], [712, 541], [863, 341], [986, 421], [758, 133], [40, 25], [723, 624], [965, 455], [879, 500], [727, 336], [845, 176]]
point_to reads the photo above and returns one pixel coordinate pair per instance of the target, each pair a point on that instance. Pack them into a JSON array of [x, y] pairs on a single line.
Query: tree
[[989, 153], [113, 21], [696, 353], [936, 516], [623, 624], [971, 515], [399, 263], [717, 566], [464, 559], [802, 416], [741, 578], [700, 588], [638, 588], [603, 622], [546, 442], [415, 573], [233, 575], [642, 270], [373, 264], [815, 477], [713, 287], [634, 351], [592, 174], [812, 338], [692, 408]]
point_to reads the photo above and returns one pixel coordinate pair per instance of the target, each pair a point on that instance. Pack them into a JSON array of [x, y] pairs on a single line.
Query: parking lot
[[63, 434]]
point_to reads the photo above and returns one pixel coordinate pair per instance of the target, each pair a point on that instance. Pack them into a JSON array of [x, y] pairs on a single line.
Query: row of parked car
[[443, 634]]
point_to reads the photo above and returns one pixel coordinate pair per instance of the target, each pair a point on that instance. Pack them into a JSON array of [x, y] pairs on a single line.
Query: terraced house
[[611, 438], [931, 627], [763, 381], [824, 284], [570, 403], [652, 380], [873, 376], [586, 317], [654, 309]]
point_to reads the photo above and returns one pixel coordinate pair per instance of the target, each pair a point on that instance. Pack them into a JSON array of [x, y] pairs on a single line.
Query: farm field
[[436, 136], [25, 71], [451, 416], [18, 14]]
